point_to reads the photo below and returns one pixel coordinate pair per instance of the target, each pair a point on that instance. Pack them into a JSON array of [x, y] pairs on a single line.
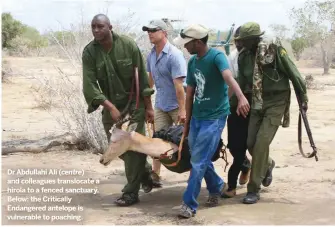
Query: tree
[[11, 28], [34, 38], [315, 23], [279, 30], [298, 46]]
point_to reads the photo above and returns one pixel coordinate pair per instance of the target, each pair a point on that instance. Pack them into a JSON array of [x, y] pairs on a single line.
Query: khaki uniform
[[265, 121], [108, 76]]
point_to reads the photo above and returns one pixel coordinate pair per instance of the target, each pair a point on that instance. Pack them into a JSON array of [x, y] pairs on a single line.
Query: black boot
[[251, 198], [268, 177]]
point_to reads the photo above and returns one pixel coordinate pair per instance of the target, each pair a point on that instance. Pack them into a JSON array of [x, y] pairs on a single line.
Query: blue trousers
[[204, 137]]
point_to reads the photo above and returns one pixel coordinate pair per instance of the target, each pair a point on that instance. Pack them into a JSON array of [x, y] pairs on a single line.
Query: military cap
[[249, 30]]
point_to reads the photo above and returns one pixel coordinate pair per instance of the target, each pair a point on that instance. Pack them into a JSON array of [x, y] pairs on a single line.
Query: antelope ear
[[132, 127]]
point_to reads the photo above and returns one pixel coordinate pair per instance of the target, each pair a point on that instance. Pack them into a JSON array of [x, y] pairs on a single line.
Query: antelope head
[[120, 142]]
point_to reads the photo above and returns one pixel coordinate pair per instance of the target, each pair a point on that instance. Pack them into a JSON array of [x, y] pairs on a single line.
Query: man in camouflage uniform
[[108, 72], [265, 70]]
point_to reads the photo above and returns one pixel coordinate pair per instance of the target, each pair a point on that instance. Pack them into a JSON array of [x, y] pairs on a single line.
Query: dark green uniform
[[264, 121], [108, 76]]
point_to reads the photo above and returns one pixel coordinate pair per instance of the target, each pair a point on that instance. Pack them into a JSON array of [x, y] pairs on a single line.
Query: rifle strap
[[134, 85], [310, 155]]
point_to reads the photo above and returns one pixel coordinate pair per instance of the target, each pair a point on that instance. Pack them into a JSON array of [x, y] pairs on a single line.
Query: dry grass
[[6, 72], [311, 84]]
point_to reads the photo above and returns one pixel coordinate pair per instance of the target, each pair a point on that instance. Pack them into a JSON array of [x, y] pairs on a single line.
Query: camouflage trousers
[[263, 126]]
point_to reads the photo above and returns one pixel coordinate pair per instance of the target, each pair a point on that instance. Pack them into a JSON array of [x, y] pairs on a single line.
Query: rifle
[[302, 114]]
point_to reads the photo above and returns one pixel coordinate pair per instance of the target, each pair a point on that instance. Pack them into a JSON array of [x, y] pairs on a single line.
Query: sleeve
[[145, 89], [294, 75], [148, 63], [221, 62], [190, 81], [92, 93], [178, 65], [241, 79]]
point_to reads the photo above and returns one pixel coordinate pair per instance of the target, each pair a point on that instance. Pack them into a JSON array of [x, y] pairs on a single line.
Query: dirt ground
[[302, 192]]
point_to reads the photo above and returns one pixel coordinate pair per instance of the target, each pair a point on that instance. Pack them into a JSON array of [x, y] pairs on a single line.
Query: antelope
[[122, 141]]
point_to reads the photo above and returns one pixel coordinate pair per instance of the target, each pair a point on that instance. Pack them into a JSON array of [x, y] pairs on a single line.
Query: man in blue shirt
[[208, 78], [167, 69]]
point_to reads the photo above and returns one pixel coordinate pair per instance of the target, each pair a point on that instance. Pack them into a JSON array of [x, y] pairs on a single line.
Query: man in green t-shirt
[[208, 77], [108, 72]]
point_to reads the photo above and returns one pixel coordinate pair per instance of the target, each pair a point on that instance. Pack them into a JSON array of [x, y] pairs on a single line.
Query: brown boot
[[244, 177], [229, 194]]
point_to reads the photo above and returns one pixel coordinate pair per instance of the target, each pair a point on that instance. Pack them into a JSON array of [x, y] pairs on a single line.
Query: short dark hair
[[100, 15], [205, 39]]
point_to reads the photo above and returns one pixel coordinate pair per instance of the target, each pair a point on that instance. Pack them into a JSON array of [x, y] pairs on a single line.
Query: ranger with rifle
[[265, 70]]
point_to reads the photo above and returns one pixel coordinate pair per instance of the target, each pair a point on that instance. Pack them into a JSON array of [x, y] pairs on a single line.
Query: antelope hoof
[[102, 161]]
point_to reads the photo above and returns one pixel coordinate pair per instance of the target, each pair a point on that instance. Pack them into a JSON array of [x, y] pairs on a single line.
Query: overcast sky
[[218, 14]]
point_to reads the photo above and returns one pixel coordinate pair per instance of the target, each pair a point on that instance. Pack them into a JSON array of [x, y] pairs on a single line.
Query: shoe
[[212, 201], [228, 194], [251, 198], [268, 176], [244, 177], [186, 212]]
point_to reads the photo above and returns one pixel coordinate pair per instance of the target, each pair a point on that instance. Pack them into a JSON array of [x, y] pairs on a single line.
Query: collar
[[166, 48]]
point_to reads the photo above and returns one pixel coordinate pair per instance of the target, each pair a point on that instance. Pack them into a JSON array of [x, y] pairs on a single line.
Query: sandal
[[127, 199]]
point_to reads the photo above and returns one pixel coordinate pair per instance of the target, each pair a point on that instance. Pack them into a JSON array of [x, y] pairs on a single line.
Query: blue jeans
[[203, 139]]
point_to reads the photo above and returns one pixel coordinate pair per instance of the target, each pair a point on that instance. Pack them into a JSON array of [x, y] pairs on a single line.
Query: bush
[[11, 28]]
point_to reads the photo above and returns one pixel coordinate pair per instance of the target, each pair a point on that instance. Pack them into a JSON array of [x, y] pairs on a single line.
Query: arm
[[178, 83], [190, 90], [230, 92], [92, 93], [231, 67], [151, 81], [291, 70], [231, 82], [178, 73], [222, 64], [189, 103]]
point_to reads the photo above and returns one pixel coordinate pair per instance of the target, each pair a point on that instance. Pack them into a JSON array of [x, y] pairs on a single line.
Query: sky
[[47, 15]]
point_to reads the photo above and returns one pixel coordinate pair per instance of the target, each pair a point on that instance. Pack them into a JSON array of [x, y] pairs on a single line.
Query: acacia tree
[[279, 30], [298, 45], [315, 23]]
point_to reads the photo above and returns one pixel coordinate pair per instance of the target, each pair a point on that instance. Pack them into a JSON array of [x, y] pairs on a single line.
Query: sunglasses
[[153, 30], [182, 34]]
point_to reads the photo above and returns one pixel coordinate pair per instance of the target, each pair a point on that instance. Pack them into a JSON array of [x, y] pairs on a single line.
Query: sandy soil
[[302, 192]]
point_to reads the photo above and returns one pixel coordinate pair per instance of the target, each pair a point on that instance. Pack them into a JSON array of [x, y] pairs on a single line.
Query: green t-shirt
[[211, 91]]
